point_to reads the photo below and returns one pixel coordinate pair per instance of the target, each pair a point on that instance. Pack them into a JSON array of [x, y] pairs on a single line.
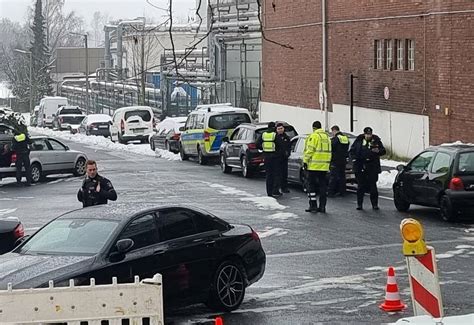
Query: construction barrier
[[138, 302], [424, 284]]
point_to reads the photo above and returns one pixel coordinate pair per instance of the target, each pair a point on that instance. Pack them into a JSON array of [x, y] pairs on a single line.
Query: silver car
[[49, 156]]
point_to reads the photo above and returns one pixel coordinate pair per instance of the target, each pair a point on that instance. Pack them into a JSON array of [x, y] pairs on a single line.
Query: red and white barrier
[[424, 284]]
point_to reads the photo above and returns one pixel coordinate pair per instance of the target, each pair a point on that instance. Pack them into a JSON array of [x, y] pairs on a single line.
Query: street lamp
[[31, 75], [87, 69]]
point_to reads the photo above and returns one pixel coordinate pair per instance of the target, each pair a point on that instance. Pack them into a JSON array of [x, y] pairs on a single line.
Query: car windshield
[[70, 237], [466, 162], [144, 114], [228, 121]]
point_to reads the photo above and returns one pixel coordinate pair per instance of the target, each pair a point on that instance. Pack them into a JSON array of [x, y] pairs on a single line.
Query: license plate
[[103, 126], [137, 131]]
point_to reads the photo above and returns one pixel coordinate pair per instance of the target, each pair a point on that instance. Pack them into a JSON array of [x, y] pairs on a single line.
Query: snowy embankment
[[105, 143]]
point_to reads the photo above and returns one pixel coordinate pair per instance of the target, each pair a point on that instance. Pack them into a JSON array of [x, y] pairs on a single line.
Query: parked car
[[240, 149], [95, 124], [205, 128], [295, 161], [132, 123], [11, 229], [441, 177], [167, 134], [202, 258], [67, 117], [48, 156]]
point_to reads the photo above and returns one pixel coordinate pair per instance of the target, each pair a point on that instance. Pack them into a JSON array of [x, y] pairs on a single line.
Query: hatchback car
[[11, 229], [240, 149], [95, 124], [202, 258], [167, 134], [48, 156], [441, 177]]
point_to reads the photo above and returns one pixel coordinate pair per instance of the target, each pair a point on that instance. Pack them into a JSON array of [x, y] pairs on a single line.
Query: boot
[[313, 206]]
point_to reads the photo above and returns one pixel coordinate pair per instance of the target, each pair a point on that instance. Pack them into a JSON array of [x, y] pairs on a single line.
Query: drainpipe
[[325, 77]]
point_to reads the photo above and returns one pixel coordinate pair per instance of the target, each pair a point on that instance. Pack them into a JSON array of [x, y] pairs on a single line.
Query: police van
[[205, 128]]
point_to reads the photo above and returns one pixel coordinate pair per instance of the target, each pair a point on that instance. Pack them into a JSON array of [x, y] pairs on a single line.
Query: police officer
[[268, 144], [365, 154], [95, 189], [21, 145], [316, 161], [283, 144], [337, 174]]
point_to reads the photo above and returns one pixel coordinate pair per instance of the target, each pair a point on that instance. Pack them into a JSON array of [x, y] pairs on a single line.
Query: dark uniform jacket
[[283, 145], [340, 151], [21, 147], [364, 155], [88, 195]]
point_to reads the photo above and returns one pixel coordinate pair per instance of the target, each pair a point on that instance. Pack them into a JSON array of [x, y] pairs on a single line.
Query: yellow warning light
[[413, 237]]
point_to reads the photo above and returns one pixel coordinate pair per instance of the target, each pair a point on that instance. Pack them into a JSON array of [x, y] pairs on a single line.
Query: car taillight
[[207, 136], [60, 120], [122, 125], [252, 146], [456, 184], [154, 123], [255, 236], [13, 157], [176, 136], [92, 126], [19, 231]]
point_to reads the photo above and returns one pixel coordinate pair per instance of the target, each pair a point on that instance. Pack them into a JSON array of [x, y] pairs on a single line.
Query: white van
[[48, 108], [132, 123]]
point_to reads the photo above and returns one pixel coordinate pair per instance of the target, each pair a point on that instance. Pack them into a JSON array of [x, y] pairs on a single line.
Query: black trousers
[[283, 172], [337, 179], [317, 185], [272, 171], [23, 160], [367, 182]]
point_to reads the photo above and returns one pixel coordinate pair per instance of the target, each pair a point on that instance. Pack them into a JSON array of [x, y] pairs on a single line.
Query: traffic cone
[[218, 321], [392, 297]]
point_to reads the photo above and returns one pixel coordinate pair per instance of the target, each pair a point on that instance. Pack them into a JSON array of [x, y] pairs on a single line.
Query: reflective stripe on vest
[[20, 137], [343, 139], [268, 144]]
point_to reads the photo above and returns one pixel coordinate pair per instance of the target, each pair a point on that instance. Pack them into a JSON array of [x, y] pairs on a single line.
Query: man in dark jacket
[[267, 143], [21, 146], [95, 189], [337, 173], [283, 144], [365, 154]]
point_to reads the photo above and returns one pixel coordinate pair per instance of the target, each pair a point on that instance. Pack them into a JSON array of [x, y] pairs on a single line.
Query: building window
[[388, 54], [410, 54], [378, 46], [400, 54]]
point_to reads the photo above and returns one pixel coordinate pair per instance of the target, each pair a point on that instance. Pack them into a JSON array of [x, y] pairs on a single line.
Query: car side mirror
[[67, 148], [124, 245], [401, 168], [182, 128], [21, 240], [225, 139]]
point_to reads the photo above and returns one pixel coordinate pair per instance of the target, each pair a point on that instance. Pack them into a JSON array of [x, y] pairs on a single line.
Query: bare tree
[[97, 24]]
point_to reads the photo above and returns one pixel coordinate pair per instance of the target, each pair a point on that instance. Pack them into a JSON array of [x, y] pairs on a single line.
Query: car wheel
[[36, 175], [167, 146], [145, 140], [400, 204], [225, 169], [246, 172], [183, 155], [88, 133], [152, 145], [201, 158], [80, 168], [446, 209], [120, 140], [228, 286]]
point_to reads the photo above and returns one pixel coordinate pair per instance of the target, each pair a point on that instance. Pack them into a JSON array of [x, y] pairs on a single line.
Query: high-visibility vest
[[268, 141], [343, 139], [20, 137], [317, 152]]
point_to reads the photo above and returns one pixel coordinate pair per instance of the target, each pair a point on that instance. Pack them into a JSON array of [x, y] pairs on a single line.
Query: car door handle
[[159, 252], [210, 243]]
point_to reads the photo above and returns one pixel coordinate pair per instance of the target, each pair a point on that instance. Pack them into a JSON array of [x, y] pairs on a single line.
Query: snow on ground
[[282, 216], [6, 211], [428, 320], [391, 163], [386, 179], [456, 143], [265, 203], [269, 231], [106, 143]]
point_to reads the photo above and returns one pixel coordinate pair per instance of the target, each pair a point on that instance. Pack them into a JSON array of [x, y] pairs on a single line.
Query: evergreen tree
[[40, 56]]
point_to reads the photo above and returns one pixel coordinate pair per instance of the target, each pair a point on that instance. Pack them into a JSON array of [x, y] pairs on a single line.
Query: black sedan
[[11, 230], [441, 177], [240, 149], [201, 257], [167, 134]]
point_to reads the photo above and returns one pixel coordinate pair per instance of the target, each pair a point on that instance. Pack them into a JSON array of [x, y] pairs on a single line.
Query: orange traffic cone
[[392, 297], [218, 321]]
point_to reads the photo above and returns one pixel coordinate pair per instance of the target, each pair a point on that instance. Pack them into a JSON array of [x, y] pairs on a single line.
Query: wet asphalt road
[[327, 268]]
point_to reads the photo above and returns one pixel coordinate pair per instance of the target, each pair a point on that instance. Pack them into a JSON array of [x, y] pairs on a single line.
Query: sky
[[15, 10]]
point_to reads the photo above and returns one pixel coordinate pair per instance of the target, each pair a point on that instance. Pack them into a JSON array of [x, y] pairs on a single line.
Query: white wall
[[405, 134]]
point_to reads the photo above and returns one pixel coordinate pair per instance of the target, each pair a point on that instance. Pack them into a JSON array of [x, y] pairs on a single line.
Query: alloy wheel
[[230, 286], [35, 173]]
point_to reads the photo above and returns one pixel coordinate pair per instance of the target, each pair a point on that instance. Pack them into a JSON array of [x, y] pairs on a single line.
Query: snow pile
[[386, 179], [457, 143], [105, 143], [391, 163], [265, 203], [282, 216]]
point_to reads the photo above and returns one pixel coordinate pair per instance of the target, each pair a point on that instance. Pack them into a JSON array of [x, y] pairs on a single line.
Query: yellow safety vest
[[20, 137], [268, 144], [317, 151], [343, 139]]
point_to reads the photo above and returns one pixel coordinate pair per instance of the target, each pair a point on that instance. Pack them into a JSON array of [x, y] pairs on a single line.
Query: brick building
[[412, 59]]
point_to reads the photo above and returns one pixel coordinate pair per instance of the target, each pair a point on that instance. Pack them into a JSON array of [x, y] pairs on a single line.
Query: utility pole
[[143, 64], [87, 69]]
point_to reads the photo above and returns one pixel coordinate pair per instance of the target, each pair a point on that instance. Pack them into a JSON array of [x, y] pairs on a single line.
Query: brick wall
[[444, 67]]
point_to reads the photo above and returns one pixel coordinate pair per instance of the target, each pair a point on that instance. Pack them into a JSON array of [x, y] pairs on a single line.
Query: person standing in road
[[365, 154], [21, 146], [316, 161], [337, 173], [268, 144], [95, 189], [283, 142]]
